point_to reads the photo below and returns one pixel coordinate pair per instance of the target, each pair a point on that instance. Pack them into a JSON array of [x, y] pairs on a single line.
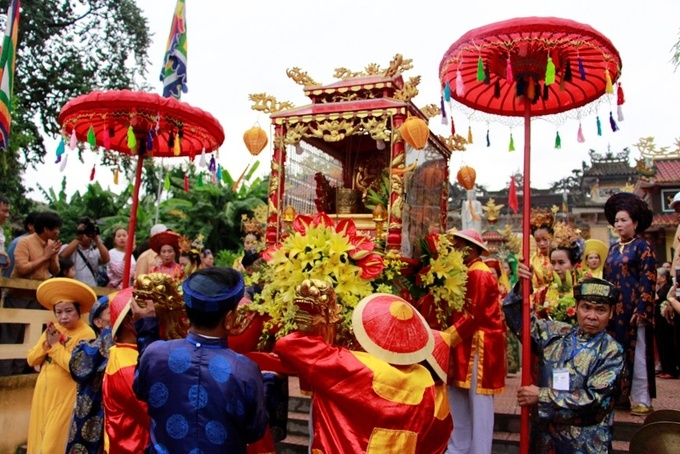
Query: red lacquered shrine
[[343, 155]]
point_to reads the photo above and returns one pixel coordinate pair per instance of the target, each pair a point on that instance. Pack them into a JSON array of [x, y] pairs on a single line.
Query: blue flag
[[174, 72]]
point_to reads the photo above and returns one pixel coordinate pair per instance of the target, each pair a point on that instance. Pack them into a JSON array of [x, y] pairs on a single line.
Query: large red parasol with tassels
[[529, 67], [140, 124]]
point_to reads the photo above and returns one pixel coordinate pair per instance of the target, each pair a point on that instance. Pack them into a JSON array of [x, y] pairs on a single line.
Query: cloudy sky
[[239, 48]]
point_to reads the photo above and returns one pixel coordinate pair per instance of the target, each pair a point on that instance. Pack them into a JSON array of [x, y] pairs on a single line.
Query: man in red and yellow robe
[[478, 364], [125, 417], [364, 404]]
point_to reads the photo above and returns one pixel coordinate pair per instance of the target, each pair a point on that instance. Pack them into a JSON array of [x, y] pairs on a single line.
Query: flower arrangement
[[443, 278], [559, 302], [317, 248]]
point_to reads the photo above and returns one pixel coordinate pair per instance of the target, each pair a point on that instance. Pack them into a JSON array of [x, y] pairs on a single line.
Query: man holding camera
[[86, 251]]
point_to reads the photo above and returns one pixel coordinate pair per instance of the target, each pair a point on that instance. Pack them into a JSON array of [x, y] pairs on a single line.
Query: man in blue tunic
[[579, 370], [201, 395]]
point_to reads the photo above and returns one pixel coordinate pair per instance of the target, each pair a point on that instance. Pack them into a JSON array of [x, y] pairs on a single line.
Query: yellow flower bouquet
[[443, 279], [317, 248]]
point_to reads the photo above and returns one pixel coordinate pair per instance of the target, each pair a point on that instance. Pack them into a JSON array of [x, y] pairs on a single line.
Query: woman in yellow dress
[[541, 224], [55, 391], [594, 257]]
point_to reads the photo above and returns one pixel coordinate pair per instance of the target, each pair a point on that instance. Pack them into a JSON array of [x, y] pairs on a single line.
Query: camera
[[87, 227]]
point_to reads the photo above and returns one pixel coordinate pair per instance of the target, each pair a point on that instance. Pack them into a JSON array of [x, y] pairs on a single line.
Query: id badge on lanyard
[[560, 379]]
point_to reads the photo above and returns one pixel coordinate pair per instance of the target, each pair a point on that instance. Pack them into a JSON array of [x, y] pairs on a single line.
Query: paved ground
[[668, 397], [667, 391]]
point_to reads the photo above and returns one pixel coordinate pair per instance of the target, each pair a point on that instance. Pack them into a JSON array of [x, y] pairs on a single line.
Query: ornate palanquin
[[343, 154]]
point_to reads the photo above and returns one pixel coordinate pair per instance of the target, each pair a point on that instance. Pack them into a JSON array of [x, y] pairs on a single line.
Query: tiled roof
[[665, 220], [667, 171], [610, 169]]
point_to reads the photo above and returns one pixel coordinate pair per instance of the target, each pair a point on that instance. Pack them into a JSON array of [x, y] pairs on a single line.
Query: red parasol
[[141, 124], [529, 67]]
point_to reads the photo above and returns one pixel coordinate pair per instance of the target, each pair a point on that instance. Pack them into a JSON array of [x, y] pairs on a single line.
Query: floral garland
[[317, 248], [443, 277]]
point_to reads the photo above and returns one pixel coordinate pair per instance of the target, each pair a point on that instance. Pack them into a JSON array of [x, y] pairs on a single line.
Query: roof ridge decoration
[[648, 149], [262, 102]]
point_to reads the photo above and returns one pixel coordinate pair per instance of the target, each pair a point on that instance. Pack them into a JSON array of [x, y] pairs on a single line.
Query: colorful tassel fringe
[[620, 97], [186, 183], [62, 166], [91, 138], [106, 138], [488, 138], [480, 70], [166, 182], [580, 138], [447, 92], [612, 123], [581, 69], [609, 88], [509, 77], [92, 172], [131, 139], [599, 126], [567, 72], [469, 137], [558, 141], [116, 175], [177, 148], [460, 87], [550, 72], [619, 113], [511, 147], [61, 149], [74, 140]]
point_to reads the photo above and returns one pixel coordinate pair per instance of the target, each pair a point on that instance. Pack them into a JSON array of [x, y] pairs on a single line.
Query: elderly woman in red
[[55, 391]]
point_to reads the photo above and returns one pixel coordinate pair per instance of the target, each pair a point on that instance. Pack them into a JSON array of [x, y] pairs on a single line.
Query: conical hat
[[439, 359], [391, 329], [661, 437], [472, 236], [62, 289], [119, 308]]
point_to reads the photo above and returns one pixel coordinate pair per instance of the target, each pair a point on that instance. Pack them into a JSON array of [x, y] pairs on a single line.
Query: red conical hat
[[391, 329], [119, 308], [472, 236], [439, 359]]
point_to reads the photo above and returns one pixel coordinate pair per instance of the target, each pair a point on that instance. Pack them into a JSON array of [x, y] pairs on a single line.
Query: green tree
[[66, 48], [103, 205], [212, 210]]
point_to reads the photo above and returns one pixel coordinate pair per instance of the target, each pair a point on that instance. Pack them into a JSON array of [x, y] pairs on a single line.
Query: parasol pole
[[133, 214], [526, 285]]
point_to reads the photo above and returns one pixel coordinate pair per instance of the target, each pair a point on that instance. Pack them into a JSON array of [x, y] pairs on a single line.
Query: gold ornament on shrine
[[466, 177], [255, 139], [415, 132]]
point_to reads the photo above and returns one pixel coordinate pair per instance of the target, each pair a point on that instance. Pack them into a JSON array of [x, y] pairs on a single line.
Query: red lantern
[[466, 177], [255, 139], [415, 132]]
